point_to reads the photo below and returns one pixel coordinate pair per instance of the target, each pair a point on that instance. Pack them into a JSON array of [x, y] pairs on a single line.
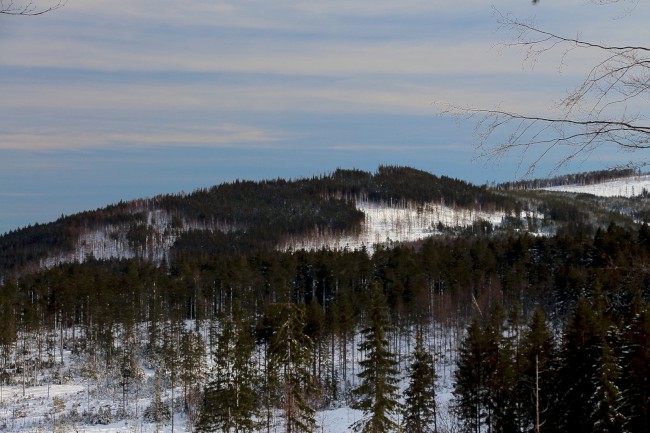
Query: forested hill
[[231, 325], [238, 216]]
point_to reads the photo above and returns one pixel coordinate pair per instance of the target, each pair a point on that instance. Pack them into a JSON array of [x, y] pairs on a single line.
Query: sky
[[102, 101]]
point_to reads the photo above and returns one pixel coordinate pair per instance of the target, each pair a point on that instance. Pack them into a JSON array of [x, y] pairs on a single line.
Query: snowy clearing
[[625, 187]]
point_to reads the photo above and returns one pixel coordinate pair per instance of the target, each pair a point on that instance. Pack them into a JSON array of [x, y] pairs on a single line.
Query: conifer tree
[[607, 400], [229, 402], [290, 352], [636, 366], [193, 369], [500, 379], [537, 381], [470, 377], [582, 345], [377, 396], [420, 411]]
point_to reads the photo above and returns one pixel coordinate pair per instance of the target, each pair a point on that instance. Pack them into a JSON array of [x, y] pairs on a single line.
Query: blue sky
[[104, 101]]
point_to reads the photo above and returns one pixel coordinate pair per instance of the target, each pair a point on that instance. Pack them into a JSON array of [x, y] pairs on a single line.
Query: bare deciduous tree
[[29, 8], [607, 108]]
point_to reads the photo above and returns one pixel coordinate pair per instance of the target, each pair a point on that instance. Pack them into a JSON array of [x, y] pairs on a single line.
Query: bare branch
[[10, 7], [594, 114]]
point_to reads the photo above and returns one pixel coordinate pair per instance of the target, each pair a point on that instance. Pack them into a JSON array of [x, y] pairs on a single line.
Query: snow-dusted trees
[[606, 402], [376, 395], [193, 370], [229, 403], [635, 363]]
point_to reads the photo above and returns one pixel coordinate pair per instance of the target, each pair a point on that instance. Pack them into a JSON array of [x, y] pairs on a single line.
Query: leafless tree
[[607, 108], [28, 8]]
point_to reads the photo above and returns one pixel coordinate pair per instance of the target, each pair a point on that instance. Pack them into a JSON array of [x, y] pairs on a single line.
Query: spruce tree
[[193, 369], [470, 378], [636, 367], [420, 411], [500, 378], [377, 395], [582, 345], [291, 352], [229, 403], [607, 400], [537, 381]]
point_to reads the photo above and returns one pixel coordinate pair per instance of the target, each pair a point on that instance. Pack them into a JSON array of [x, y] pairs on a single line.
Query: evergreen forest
[[497, 330]]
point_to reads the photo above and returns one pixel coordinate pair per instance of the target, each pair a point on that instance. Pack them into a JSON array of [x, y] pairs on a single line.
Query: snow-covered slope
[[624, 187], [384, 224]]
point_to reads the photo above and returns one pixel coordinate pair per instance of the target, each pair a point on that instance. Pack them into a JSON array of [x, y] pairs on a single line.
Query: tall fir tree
[[420, 409], [377, 395], [536, 383], [606, 402], [229, 403], [291, 354], [470, 377], [500, 380], [636, 366], [581, 347], [192, 371]]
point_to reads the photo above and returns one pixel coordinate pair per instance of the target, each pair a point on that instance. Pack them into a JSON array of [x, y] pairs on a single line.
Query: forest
[[241, 336], [495, 330]]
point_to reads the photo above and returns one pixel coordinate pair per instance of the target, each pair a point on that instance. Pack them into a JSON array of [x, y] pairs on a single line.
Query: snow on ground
[[62, 407], [624, 187], [386, 224]]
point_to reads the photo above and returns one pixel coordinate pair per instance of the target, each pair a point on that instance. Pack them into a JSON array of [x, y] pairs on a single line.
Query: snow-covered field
[[624, 187]]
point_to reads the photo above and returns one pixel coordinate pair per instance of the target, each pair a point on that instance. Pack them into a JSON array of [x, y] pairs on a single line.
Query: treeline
[[586, 178], [592, 378], [551, 272]]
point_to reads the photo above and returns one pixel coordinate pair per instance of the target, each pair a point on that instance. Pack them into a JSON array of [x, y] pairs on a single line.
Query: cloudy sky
[[108, 100]]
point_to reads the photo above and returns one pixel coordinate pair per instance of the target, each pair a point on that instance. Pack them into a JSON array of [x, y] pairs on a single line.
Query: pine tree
[[230, 400], [420, 411], [377, 396], [290, 352], [607, 401], [193, 369], [171, 358]]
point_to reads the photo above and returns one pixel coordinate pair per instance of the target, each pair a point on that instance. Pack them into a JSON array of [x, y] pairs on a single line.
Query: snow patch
[[624, 187]]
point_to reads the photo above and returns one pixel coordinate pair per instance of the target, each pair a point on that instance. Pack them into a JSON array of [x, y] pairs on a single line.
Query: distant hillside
[[586, 178], [238, 216]]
